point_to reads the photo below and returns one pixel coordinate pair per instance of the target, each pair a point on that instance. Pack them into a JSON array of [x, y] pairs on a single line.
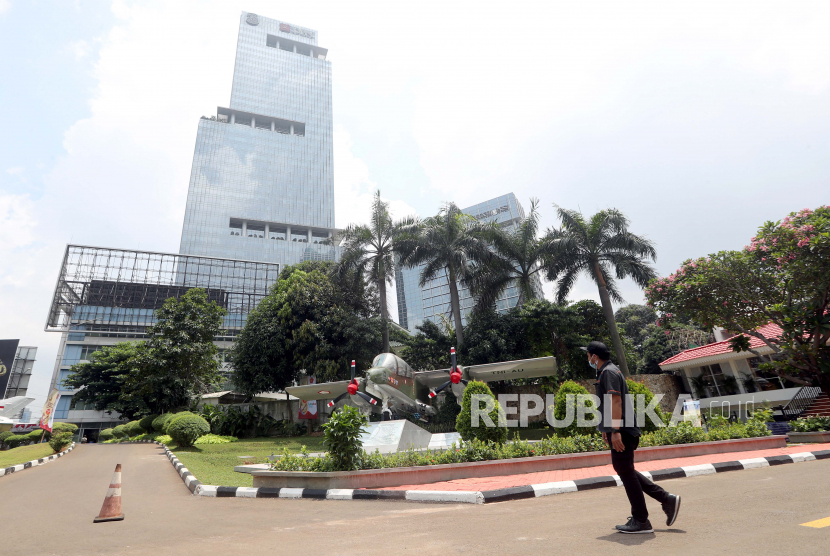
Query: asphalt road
[[49, 510]]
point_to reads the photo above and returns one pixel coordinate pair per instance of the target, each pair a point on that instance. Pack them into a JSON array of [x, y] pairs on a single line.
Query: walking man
[[621, 434]]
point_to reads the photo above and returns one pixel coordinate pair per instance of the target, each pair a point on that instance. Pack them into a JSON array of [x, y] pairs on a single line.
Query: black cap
[[599, 349]]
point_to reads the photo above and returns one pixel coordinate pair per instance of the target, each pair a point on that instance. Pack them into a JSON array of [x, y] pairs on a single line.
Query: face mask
[[592, 364]]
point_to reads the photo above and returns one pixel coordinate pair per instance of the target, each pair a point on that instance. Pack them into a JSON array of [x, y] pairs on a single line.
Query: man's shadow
[[637, 539]]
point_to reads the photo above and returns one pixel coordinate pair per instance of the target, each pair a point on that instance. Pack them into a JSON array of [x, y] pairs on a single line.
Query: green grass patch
[[16, 456], [213, 464]]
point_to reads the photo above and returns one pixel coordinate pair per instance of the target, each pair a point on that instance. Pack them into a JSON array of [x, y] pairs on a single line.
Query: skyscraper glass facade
[[261, 184], [417, 304]]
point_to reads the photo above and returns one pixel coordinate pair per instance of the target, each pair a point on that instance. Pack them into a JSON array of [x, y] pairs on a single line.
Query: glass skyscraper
[[261, 184], [417, 304]]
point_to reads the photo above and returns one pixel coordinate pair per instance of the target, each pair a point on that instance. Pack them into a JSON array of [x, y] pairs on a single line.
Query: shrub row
[[810, 424], [477, 450]]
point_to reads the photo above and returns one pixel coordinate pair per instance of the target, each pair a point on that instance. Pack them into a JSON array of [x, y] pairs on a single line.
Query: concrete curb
[[34, 462], [477, 497]]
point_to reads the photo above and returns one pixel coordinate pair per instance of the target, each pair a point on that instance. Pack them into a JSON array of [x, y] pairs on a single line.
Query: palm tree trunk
[[384, 315], [612, 322], [455, 304]]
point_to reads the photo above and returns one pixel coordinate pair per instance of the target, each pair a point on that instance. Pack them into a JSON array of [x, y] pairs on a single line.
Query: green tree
[[303, 323], [635, 321], [103, 382], [517, 259], [558, 330], [464, 421], [782, 277], [179, 361], [369, 250], [428, 349], [491, 337], [447, 245], [598, 246]]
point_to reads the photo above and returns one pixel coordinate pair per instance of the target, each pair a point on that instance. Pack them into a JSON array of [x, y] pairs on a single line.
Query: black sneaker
[[633, 526], [672, 508]]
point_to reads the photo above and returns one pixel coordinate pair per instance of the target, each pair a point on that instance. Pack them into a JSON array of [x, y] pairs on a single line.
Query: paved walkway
[[507, 481], [50, 509]]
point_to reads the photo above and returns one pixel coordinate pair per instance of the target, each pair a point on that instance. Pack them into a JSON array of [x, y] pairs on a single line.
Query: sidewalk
[[507, 481]]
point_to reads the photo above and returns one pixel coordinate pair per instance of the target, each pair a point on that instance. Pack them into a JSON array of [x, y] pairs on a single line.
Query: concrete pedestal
[[394, 436]]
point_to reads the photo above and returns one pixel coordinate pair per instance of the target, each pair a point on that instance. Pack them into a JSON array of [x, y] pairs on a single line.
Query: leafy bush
[[186, 429], [636, 388], [447, 412], [105, 434], [233, 421], [147, 436], [684, 433], [341, 436], [811, 424], [35, 436], [147, 422], [17, 440], [120, 431], [60, 441], [134, 428], [216, 439], [562, 400], [64, 427], [757, 424], [164, 439], [4, 435], [174, 417], [464, 421], [158, 422]]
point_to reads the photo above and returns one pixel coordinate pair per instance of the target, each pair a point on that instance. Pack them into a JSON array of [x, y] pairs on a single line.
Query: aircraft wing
[[10, 406], [323, 391], [433, 379], [525, 368]]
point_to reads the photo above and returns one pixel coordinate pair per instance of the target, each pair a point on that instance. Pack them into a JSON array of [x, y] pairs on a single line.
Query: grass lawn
[[213, 463], [16, 456]]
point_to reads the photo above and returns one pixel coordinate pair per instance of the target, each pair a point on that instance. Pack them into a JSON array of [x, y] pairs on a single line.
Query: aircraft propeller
[[351, 390], [455, 376]]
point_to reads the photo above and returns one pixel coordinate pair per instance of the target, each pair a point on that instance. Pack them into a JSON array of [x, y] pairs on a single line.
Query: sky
[[698, 120]]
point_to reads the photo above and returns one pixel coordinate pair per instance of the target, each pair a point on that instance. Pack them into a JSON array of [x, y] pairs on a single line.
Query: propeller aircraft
[[391, 381]]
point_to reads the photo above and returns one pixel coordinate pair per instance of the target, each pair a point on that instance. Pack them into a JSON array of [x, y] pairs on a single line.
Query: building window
[[236, 228], [276, 234], [256, 231], [63, 375], [62, 409]]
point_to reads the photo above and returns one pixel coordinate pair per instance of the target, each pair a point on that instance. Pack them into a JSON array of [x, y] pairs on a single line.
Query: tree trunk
[[455, 304], [384, 315], [612, 322]]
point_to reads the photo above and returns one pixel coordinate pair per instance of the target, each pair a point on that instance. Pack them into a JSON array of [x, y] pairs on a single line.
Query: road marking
[[818, 524]]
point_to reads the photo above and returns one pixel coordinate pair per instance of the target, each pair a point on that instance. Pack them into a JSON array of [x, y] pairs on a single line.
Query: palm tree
[[597, 246], [517, 258], [369, 250], [450, 241]]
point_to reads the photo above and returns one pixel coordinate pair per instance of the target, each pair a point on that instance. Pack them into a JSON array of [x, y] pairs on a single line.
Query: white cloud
[[79, 49], [5, 5], [15, 171]]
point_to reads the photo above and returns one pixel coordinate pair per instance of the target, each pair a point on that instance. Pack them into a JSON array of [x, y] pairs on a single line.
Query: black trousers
[[635, 484]]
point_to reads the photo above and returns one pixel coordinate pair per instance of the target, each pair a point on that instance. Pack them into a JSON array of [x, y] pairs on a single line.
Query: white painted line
[[646, 474], [206, 490], [339, 494], [617, 480], [2, 471], [802, 456], [246, 492], [695, 470], [753, 463], [546, 489], [182, 471], [189, 480], [18, 468], [465, 497], [291, 493]]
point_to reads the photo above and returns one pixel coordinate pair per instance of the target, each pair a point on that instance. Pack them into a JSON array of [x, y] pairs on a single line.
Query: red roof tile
[[718, 348]]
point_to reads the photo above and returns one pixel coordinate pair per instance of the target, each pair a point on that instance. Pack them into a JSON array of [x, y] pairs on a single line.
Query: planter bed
[[380, 478], [810, 437]]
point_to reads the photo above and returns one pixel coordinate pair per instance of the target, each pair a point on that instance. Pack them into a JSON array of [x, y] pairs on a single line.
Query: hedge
[[17, 440], [560, 408], [147, 422], [159, 421], [463, 423], [60, 441], [120, 431], [134, 428], [186, 429], [166, 427], [4, 435], [105, 434], [64, 427]]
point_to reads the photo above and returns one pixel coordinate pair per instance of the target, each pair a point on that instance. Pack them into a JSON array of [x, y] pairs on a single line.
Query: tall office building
[[261, 184], [417, 304]]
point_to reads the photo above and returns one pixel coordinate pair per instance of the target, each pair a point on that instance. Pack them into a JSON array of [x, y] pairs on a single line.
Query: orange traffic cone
[[111, 510]]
